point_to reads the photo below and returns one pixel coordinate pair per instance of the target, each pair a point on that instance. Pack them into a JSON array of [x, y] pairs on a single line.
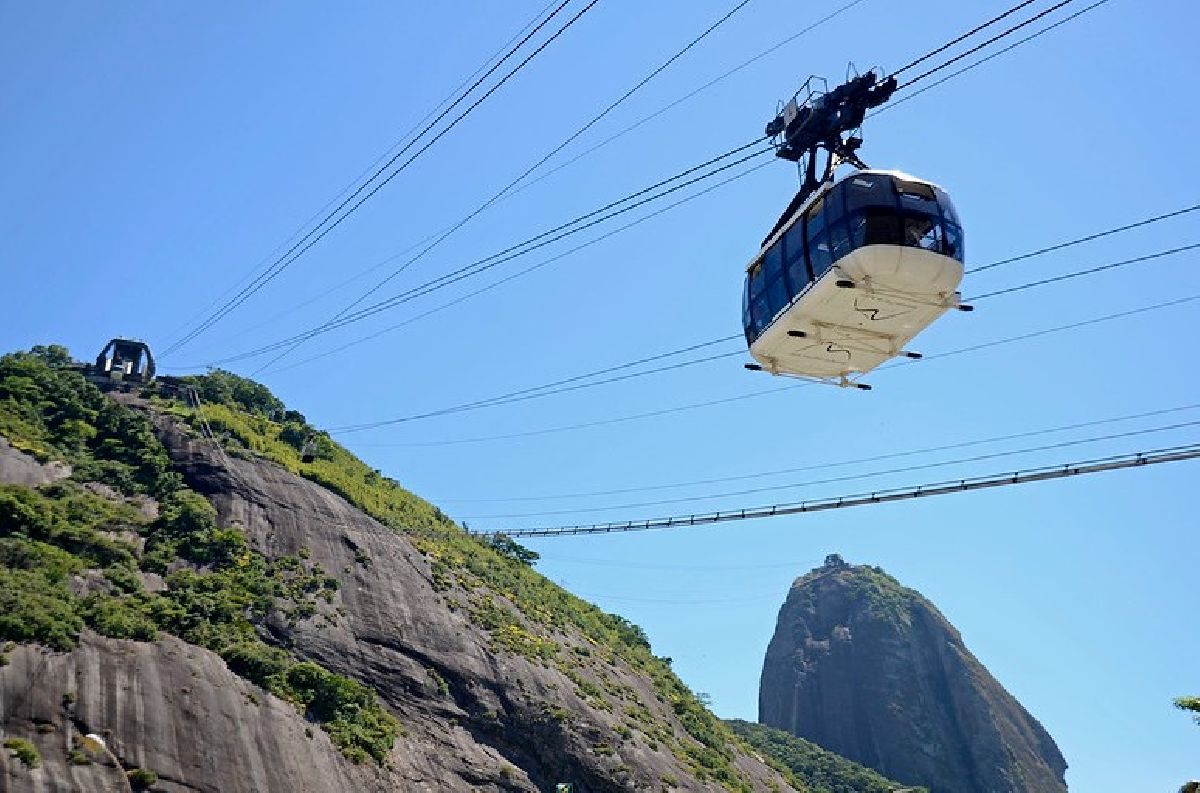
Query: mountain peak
[[870, 669]]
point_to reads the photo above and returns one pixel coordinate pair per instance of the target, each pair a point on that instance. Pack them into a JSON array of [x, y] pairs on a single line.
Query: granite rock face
[[19, 468], [473, 718], [872, 671]]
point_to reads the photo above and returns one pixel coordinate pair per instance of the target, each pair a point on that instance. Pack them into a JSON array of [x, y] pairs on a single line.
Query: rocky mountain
[[871, 670], [213, 596]]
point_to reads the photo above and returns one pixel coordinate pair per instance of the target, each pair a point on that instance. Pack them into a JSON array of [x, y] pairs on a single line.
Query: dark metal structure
[[124, 361], [815, 119]]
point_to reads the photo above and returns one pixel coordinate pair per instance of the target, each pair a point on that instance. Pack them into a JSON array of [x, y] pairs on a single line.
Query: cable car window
[[756, 280], [918, 203], [915, 189], [777, 296], [948, 210], [872, 190], [772, 263], [835, 203], [839, 240], [953, 241], [856, 222], [815, 219], [793, 244], [922, 231], [760, 314], [819, 255], [883, 228], [797, 277]]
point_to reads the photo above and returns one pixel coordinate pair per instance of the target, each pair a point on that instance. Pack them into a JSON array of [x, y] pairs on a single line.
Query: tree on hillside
[[1190, 703]]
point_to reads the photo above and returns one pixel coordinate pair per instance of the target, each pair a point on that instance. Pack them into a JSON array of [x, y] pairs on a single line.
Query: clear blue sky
[[154, 153]]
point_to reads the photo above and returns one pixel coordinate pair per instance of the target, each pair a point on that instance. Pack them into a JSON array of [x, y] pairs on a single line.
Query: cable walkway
[[1066, 470]]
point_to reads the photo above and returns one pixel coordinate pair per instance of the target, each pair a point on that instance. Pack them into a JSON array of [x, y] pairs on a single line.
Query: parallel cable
[[897, 102], [505, 190], [962, 38], [830, 464], [1004, 479], [382, 306], [772, 391], [550, 389], [368, 171], [469, 295], [406, 296], [529, 183], [987, 43], [308, 241], [839, 479], [1088, 238], [1086, 272], [206, 430], [970, 271], [494, 260], [512, 276], [540, 390], [675, 103]]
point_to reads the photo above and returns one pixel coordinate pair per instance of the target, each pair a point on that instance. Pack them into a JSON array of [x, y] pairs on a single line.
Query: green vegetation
[[1191, 704], [808, 766], [256, 422], [24, 751], [518, 606], [141, 778], [217, 587], [54, 413], [885, 597]]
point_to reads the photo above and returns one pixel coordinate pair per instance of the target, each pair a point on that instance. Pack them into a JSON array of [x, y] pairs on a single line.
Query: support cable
[[551, 389], [1003, 34], [329, 223], [368, 171], [467, 271], [985, 59], [548, 388], [529, 183], [962, 38], [489, 262], [839, 479], [512, 276], [507, 188], [771, 391], [1086, 272], [822, 466], [1004, 479]]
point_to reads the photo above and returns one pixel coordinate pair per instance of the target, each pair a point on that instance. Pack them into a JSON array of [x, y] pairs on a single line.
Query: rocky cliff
[[871, 670], [201, 600]]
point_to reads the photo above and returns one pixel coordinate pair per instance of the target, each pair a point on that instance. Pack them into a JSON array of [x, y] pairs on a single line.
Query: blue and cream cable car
[[855, 267], [859, 269]]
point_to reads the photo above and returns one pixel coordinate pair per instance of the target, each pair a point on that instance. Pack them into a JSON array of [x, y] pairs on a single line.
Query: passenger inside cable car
[[865, 208]]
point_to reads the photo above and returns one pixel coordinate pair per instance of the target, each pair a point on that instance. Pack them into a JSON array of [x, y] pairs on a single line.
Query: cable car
[[848, 278], [855, 267]]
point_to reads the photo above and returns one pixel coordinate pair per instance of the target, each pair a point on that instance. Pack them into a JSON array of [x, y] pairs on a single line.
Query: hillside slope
[[871, 670], [229, 618], [821, 770]]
